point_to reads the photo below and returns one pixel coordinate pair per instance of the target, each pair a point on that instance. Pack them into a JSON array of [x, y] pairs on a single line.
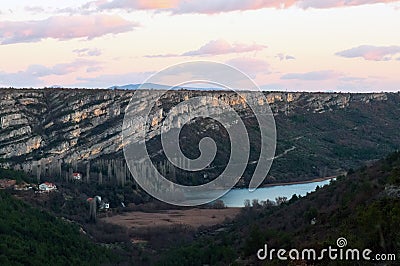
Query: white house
[[104, 205], [77, 176], [46, 186]]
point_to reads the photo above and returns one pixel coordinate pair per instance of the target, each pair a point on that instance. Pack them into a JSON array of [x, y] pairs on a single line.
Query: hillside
[[30, 236], [50, 133], [363, 207], [47, 132]]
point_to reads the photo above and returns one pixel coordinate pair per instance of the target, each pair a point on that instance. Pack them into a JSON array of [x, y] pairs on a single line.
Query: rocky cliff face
[[51, 123], [74, 125]]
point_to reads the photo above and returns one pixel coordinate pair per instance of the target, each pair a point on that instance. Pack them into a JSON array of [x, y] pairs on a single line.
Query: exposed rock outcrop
[[74, 125]]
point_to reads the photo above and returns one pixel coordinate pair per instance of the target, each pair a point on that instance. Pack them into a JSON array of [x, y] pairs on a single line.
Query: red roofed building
[[77, 176], [46, 186]]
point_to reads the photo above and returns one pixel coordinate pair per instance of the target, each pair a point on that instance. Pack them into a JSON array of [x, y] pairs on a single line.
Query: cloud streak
[[34, 9], [87, 52], [137, 4], [32, 75], [339, 3], [109, 80], [285, 57], [217, 47], [219, 6], [371, 53], [63, 28]]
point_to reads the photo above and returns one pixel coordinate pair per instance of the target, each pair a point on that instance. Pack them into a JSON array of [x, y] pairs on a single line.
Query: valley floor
[[188, 217]]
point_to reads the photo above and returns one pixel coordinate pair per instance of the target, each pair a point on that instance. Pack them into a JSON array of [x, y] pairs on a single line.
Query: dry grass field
[[189, 217]]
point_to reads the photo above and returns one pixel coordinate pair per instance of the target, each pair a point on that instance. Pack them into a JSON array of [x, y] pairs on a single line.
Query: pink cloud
[[59, 69], [109, 80], [63, 28], [372, 53], [339, 3], [314, 75], [33, 74], [219, 6], [137, 4], [217, 47], [191, 6]]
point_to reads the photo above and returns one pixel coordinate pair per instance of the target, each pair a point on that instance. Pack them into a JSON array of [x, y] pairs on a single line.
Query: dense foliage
[[29, 236], [363, 207], [19, 176]]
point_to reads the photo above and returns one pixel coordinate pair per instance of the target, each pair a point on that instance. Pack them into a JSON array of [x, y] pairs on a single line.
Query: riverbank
[[320, 179], [237, 196]]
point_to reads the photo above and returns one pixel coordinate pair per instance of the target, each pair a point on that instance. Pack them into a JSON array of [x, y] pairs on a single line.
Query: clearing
[[191, 217]]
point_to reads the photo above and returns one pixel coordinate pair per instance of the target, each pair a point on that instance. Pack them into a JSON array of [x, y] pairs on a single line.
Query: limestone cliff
[[74, 125]]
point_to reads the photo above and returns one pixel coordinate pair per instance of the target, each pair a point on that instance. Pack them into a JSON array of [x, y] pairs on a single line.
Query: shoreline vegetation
[[319, 179]]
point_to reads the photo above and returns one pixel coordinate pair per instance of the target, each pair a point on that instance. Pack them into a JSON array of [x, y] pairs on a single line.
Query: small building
[[104, 205], [77, 176], [6, 183], [101, 204], [47, 187]]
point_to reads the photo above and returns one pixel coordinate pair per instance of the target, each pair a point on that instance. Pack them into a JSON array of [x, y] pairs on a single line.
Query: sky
[[288, 45]]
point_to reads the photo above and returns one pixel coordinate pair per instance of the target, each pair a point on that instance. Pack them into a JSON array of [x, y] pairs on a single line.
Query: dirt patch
[[190, 217]]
